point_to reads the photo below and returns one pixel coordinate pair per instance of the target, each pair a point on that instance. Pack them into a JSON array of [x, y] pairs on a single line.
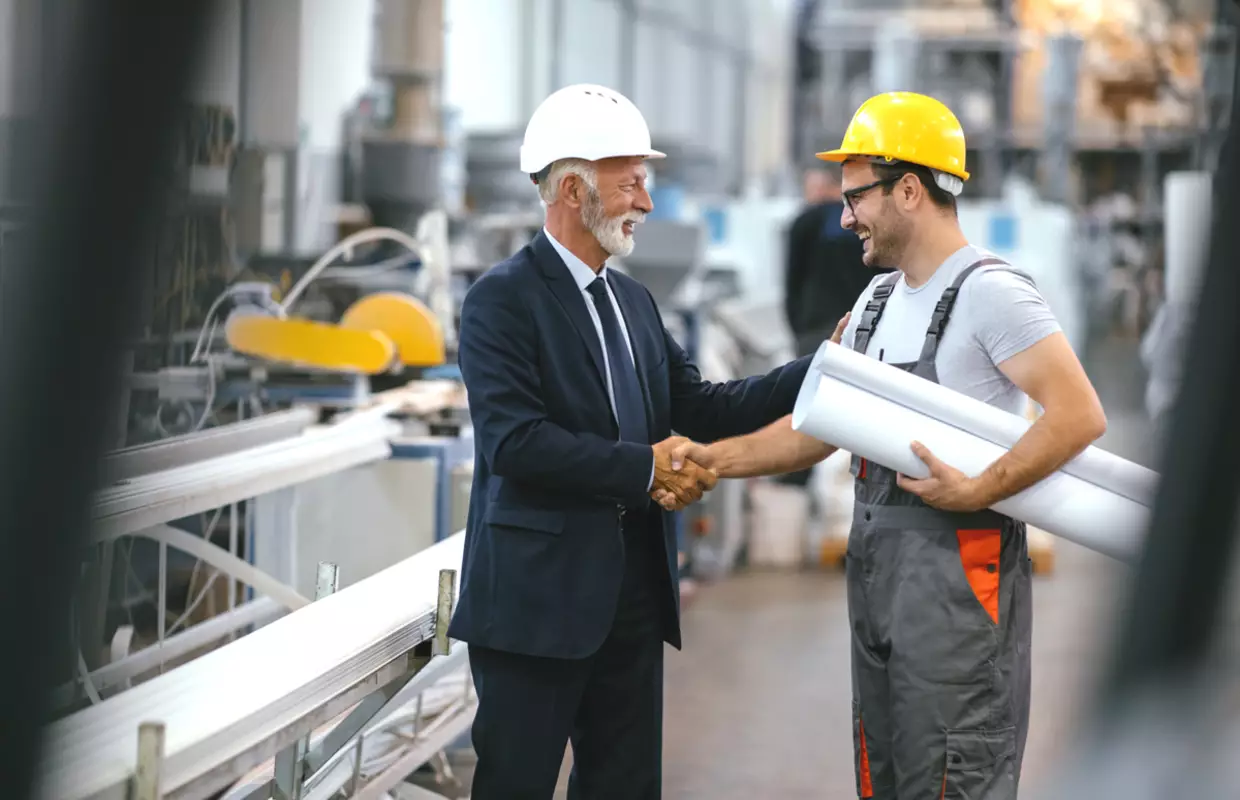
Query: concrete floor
[[758, 702]]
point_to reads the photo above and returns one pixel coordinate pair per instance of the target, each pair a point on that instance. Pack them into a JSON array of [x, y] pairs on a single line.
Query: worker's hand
[[678, 482], [839, 328], [946, 488], [690, 451]]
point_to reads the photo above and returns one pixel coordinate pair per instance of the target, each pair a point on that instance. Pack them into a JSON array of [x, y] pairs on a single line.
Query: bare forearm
[[1052, 441], [773, 450]]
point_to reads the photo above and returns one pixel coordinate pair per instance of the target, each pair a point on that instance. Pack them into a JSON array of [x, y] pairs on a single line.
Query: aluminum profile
[[226, 705], [153, 457], [171, 494]]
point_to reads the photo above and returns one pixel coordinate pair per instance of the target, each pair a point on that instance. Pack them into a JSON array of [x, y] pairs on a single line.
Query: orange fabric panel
[[861, 470], [867, 786], [979, 554]]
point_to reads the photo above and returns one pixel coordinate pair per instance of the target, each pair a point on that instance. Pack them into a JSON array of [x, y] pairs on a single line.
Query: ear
[[572, 190], [910, 191]]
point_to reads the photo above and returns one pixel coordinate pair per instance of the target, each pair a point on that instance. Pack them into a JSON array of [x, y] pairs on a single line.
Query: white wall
[[273, 56], [483, 62], [590, 50], [770, 28], [500, 56], [336, 40]]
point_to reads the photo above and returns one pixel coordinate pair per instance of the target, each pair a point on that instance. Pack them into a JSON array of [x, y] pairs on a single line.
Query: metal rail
[[118, 673], [180, 451], [233, 709], [214, 482]]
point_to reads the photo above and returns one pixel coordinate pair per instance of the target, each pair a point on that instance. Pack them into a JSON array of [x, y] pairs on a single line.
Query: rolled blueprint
[[981, 419], [866, 423]]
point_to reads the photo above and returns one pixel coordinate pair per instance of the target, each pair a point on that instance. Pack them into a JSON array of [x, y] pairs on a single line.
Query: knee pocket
[[980, 765]]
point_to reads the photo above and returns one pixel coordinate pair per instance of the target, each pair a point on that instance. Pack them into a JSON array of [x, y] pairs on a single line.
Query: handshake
[[682, 473]]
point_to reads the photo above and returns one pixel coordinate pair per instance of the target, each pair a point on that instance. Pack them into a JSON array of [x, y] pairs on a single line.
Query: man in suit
[[569, 585]]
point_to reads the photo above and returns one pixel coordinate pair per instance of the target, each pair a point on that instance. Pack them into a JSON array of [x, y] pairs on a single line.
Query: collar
[[583, 276]]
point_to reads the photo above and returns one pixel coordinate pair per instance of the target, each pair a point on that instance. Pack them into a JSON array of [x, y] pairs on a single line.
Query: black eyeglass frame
[[854, 194]]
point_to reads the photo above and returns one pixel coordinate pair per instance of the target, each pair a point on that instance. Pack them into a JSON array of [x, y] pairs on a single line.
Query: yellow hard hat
[[905, 126]]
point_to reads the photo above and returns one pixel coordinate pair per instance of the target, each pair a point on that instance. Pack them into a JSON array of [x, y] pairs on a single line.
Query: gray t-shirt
[[998, 314]]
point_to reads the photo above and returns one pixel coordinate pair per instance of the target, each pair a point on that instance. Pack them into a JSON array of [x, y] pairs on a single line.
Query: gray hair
[[549, 187]]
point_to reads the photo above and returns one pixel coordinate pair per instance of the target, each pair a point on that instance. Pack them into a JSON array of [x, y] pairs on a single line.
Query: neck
[[576, 239], [926, 253]]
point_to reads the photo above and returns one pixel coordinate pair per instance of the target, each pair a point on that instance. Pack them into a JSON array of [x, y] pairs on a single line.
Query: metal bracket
[[327, 580], [146, 778], [443, 612], [288, 783]]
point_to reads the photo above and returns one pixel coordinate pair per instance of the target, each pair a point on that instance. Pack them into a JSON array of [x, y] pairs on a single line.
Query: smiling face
[[871, 211], [617, 204]]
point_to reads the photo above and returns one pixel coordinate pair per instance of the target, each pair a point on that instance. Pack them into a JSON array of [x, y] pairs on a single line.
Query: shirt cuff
[[650, 485]]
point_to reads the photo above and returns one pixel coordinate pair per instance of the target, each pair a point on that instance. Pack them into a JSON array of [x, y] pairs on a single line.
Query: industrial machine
[[376, 333]]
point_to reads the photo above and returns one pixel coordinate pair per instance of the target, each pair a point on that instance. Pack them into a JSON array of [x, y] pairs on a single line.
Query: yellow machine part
[[305, 343], [403, 319]]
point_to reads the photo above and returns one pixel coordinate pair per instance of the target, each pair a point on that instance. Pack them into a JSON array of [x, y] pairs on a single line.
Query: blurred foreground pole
[[1165, 724], [1177, 596], [105, 138]]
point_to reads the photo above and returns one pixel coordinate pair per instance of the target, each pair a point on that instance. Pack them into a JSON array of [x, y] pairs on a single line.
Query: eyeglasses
[[854, 194]]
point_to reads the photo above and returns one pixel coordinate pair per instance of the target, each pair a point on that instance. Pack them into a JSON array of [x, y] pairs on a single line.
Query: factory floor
[[758, 702]]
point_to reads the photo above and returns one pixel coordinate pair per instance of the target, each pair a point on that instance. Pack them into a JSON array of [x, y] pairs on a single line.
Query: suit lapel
[[565, 289], [636, 327]]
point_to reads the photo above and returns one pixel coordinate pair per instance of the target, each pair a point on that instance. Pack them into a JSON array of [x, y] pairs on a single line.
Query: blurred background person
[[823, 273]]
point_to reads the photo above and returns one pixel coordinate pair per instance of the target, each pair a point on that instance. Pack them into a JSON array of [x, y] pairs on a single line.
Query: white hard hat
[[584, 121]]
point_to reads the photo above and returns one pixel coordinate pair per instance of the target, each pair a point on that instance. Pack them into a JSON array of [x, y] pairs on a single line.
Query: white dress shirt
[[583, 275]]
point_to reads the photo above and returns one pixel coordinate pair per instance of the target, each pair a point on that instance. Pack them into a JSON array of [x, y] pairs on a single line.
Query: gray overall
[[939, 606]]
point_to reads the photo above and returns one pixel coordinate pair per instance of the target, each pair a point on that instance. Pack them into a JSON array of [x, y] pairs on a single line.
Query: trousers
[[609, 705], [941, 620]]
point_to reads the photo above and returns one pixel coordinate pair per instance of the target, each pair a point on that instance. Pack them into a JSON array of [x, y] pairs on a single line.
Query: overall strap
[[873, 311], [943, 309]]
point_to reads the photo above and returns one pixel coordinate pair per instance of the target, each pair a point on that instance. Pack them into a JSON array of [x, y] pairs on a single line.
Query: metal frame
[[142, 502], [447, 455], [120, 671], [216, 735]]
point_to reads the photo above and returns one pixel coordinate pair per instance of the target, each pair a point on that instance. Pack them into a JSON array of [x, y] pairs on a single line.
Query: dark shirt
[[824, 274]]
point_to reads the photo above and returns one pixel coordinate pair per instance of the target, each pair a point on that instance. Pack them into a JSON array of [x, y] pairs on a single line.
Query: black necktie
[[630, 410]]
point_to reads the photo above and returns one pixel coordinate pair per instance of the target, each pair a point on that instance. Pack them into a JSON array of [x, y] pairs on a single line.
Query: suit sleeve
[[706, 411], [498, 357]]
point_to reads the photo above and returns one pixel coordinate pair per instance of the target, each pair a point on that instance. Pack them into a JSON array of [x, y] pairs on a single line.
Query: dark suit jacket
[[543, 552]]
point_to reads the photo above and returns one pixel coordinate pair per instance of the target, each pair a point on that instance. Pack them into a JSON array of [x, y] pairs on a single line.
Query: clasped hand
[[678, 481]]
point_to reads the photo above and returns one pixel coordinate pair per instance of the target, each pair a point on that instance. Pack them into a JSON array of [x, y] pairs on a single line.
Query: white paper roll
[[983, 420], [881, 430]]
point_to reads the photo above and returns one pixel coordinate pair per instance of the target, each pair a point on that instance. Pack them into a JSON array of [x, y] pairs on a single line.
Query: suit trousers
[[609, 704]]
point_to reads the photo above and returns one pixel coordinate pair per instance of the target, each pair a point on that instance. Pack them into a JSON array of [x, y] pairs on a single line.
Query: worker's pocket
[[979, 558], [980, 765]]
